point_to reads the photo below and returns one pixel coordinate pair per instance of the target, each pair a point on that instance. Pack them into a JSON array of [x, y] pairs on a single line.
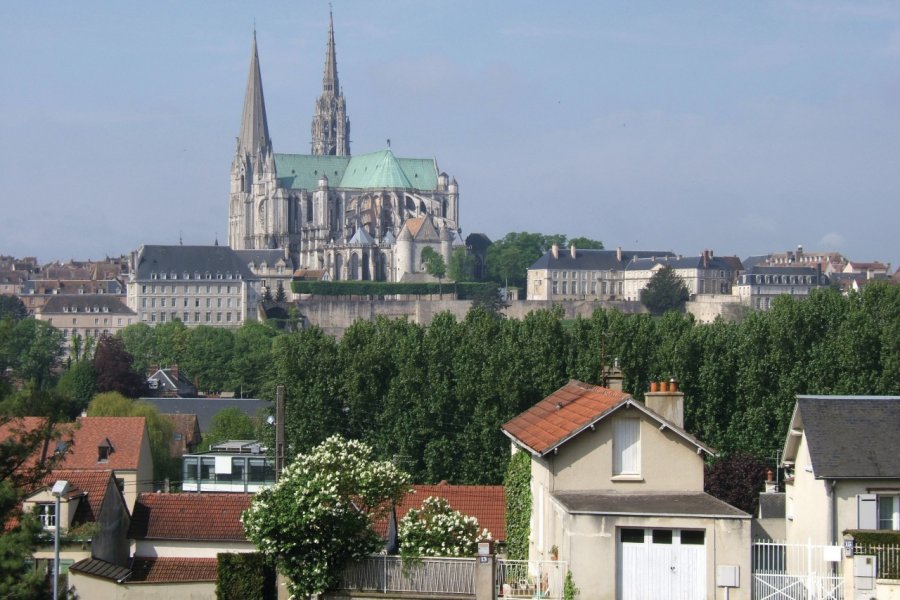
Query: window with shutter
[[627, 446]]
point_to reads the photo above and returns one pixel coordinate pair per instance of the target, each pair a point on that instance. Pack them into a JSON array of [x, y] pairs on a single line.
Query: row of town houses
[[220, 287], [617, 498]]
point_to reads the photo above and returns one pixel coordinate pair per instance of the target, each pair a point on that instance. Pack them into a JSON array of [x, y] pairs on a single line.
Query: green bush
[[463, 290], [245, 576]]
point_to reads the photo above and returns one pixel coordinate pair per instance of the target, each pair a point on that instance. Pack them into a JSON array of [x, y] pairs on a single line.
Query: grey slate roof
[[679, 262], [193, 260], [258, 257], [766, 270], [772, 506], [100, 568], [206, 408], [84, 303], [852, 436], [686, 504], [593, 260]]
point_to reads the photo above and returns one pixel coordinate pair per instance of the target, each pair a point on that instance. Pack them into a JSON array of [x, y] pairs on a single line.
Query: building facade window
[[627, 446], [47, 515], [889, 512]]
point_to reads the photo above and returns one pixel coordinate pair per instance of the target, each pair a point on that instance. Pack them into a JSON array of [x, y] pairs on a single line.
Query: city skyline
[[746, 129]]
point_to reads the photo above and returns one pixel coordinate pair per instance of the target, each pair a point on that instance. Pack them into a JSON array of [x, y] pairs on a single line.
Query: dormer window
[[104, 450], [47, 515]]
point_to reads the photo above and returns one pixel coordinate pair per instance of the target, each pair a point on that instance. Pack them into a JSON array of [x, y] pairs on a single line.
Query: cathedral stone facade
[[357, 217]]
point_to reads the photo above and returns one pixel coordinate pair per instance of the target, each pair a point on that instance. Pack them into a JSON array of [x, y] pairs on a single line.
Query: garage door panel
[[649, 570]]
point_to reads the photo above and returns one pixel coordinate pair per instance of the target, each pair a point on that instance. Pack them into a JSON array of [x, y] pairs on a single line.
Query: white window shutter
[[627, 447], [866, 511]]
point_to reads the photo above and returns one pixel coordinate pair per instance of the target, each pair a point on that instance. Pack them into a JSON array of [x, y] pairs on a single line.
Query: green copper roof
[[302, 171], [376, 170]]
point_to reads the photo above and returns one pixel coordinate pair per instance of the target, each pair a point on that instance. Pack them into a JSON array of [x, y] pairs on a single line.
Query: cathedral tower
[[330, 125]]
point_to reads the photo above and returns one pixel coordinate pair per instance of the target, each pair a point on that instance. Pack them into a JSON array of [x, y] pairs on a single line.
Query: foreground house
[[175, 540], [92, 519], [842, 467], [617, 487]]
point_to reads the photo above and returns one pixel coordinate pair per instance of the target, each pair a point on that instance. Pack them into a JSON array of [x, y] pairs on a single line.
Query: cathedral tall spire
[[330, 125], [254, 134], [330, 83]]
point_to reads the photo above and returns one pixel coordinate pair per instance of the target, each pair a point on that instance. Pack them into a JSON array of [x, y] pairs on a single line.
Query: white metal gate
[[661, 563], [796, 572]]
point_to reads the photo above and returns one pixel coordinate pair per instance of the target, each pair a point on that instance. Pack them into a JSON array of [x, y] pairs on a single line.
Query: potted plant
[[554, 552]]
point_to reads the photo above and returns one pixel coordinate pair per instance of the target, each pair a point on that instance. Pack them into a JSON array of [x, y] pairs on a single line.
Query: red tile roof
[[92, 485], [487, 503], [125, 435], [189, 516], [561, 415], [172, 570], [18, 427]]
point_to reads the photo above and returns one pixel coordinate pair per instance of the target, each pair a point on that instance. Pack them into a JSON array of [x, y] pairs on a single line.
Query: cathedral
[[355, 217]]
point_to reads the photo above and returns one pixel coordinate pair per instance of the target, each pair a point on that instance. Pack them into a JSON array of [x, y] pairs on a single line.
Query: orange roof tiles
[[125, 435], [487, 503], [172, 570], [189, 516], [93, 484], [562, 414]]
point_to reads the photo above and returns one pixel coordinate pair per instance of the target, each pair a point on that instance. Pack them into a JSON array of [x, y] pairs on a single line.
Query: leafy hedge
[[875, 538], [463, 290], [518, 505], [882, 544], [245, 576]]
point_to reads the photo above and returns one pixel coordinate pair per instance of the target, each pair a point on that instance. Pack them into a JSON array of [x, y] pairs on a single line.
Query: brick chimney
[[554, 249], [152, 369], [174, 371], [668, 404], [572, 251], [619, 253], [613, 378]]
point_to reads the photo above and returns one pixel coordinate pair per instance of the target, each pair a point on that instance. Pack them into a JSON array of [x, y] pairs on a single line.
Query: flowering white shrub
[[438, 530], [318, 516]]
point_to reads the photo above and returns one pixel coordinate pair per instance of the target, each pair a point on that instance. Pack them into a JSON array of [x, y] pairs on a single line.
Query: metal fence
[[888, 558], [796, 571], [428, 575], [530, 579]]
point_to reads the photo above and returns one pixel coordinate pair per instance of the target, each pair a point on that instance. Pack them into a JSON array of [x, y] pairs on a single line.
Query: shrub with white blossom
[[438, 530], [319, 515]]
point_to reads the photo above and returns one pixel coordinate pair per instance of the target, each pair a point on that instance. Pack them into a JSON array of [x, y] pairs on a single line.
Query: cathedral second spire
[[330, 124]]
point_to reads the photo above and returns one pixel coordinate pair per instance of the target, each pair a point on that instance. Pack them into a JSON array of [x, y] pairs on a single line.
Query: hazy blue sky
[[745, 127]]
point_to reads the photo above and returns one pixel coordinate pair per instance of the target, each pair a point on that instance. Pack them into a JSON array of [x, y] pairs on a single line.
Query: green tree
[[207, 357], [319, 515], [583, 243], [280, 294], [508, 259], [251, 361], [140, 342], [159, 429], [230, 424], [11, 307], [665, 291], [79, 382], [438, 530], [737, 479], [31, 348], [462, 265], [434, 264]]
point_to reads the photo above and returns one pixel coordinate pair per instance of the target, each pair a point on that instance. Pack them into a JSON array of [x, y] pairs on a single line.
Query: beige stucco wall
[[807, 503], [590, 549], [586, 462], [187, 548], [88, 588], [887, 589]]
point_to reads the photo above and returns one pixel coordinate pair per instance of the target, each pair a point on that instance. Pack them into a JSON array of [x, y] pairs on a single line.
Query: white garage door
[[661, 563]]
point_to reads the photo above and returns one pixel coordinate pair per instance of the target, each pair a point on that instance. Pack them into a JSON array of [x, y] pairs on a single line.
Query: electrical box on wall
[[728, 576]]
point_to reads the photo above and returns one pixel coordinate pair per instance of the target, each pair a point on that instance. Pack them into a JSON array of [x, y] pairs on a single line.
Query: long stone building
[[357, 217]]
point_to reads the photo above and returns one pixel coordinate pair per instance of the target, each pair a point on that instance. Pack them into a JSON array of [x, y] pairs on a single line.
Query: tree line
[[433, 398]]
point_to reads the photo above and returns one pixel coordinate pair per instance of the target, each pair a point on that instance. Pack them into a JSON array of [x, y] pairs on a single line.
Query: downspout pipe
[[833, 510]]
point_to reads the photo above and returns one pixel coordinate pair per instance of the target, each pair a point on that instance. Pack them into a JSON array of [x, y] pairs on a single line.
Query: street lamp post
[[59, 489]]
